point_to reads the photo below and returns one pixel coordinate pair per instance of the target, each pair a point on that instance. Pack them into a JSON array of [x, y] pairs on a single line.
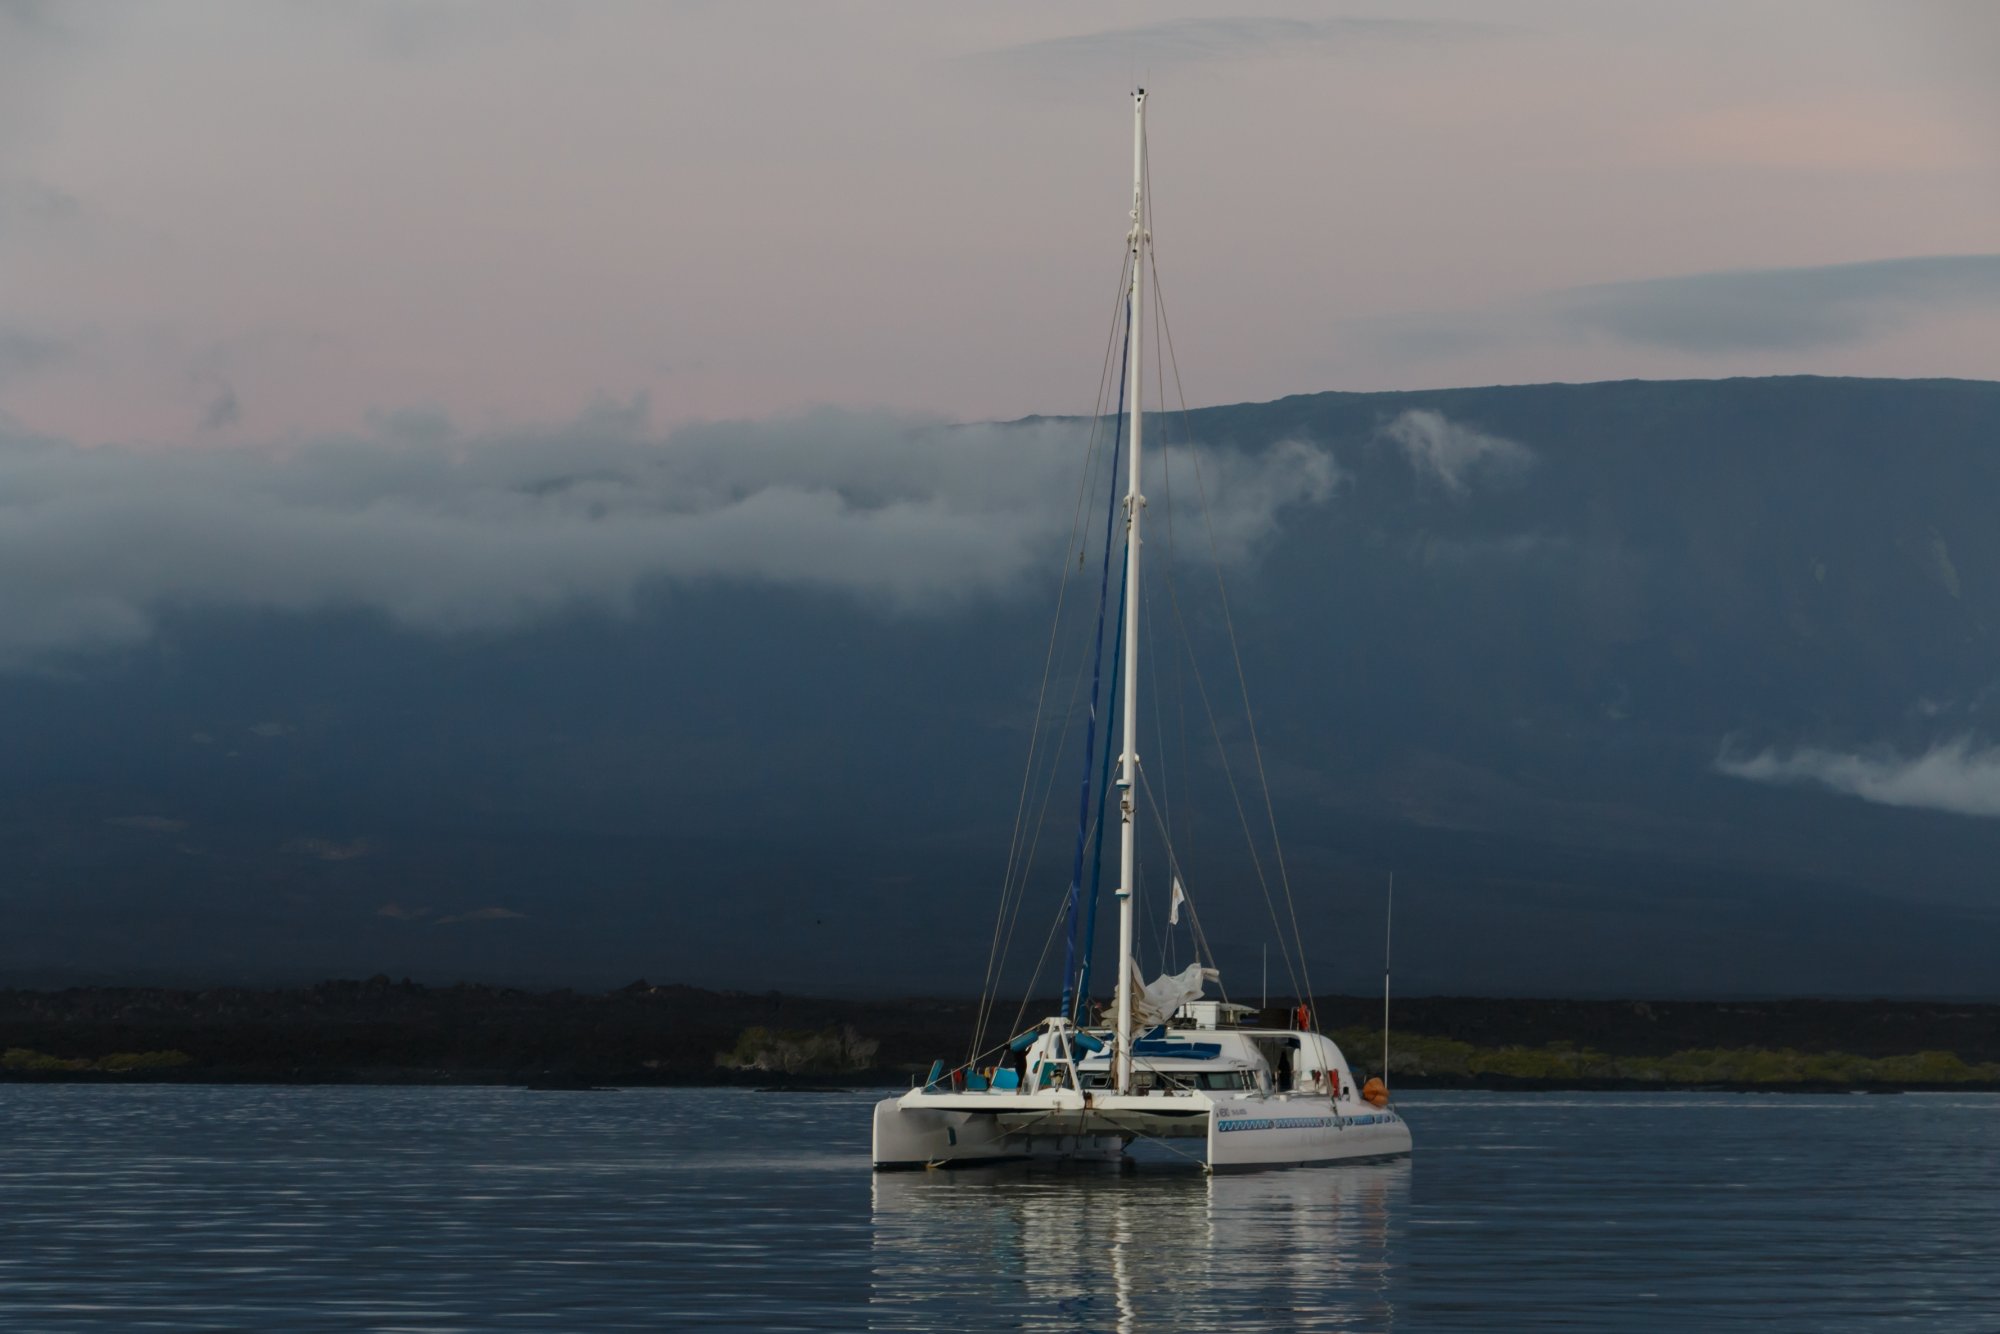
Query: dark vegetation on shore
[[379, 1031]]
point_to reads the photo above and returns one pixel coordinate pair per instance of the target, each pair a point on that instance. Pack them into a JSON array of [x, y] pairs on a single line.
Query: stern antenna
[[1388, 925]]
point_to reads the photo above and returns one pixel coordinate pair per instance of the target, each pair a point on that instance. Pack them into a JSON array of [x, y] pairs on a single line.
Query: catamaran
[[1196, 1075]]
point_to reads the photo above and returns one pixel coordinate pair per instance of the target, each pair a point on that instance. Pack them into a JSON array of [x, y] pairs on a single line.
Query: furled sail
[[1155, 1002]]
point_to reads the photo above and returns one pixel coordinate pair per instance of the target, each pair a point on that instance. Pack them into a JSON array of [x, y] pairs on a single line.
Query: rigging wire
[[1229, 777], [1089, 781], [1236, 653], [1002, 925], [1040, 823], [1159, 722], [1182, 765], [1166, 572], [1159, 381], [1048, 792], [1104, 791], [1166, 932], [1164, 326], [1028, 993], [1174, 865], [1020, 863]]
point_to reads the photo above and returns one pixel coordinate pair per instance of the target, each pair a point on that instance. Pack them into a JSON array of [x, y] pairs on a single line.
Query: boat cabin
[[1208, 1059], [1214, 1014]]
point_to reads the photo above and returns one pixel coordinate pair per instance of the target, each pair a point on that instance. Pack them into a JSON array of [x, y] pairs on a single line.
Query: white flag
[[1174, 908]]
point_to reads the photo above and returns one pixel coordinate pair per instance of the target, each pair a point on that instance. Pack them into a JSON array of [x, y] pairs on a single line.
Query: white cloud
[[444, 531], [1448, 452], [1953, 776]]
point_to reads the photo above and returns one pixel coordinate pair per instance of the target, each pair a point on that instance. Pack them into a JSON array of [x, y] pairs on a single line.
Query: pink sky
[[238, 220]]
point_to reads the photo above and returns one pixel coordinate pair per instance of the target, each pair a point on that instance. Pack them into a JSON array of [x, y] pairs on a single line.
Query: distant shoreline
[[379, 1032], [891, 1083]]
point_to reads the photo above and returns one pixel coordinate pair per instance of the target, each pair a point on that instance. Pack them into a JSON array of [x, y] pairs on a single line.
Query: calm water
[[453, 1209]]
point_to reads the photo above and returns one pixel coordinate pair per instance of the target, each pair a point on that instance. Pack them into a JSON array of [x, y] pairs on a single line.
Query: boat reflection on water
[[1313, 1248]]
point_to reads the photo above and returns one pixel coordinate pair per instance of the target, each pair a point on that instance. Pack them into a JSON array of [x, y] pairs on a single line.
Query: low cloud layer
[[444, 531], [1954, 776], [21, 351], [1794, 308], [1722, 313], [1450, 453]]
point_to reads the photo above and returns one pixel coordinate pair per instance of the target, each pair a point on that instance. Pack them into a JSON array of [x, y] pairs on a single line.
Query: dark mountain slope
[[1514, 691]]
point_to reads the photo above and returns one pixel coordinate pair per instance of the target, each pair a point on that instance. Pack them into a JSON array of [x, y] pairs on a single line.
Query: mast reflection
[[1310, 1249]]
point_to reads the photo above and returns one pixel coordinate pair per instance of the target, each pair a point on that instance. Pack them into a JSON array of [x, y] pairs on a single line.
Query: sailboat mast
[[1135, 504]]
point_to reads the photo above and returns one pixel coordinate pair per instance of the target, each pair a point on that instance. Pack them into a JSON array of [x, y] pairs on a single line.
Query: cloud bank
[[444, 531], [1953, 776], [1755, 309], [1727, 312], [1449, 453], [21, 351]]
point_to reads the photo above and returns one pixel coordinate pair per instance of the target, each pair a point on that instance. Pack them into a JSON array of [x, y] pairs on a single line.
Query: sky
[[242, 222], [469, 322]]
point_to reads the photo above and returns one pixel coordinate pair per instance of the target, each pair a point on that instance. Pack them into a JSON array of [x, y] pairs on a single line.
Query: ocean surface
[[277, 1209]]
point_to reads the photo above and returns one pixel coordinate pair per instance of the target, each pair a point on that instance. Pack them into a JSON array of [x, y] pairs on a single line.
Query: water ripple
[[188, 1208]]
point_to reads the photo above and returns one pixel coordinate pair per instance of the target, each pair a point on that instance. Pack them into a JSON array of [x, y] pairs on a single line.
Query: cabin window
[[1146, 1081], [1204, 1079]]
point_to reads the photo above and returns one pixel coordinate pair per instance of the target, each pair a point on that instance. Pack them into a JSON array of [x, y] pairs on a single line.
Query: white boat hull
[[922, 1136], [1229, 1133], [1301, 1131]]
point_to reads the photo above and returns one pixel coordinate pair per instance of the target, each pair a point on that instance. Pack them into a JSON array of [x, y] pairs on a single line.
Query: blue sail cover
[[1070, 997], [1103, 787]]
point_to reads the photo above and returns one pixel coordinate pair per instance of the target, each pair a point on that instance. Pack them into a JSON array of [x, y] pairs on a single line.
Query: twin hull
[[1251, 1130]]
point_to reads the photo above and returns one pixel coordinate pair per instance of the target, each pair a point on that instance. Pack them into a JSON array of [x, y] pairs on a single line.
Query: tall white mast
[[1135, 504]]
